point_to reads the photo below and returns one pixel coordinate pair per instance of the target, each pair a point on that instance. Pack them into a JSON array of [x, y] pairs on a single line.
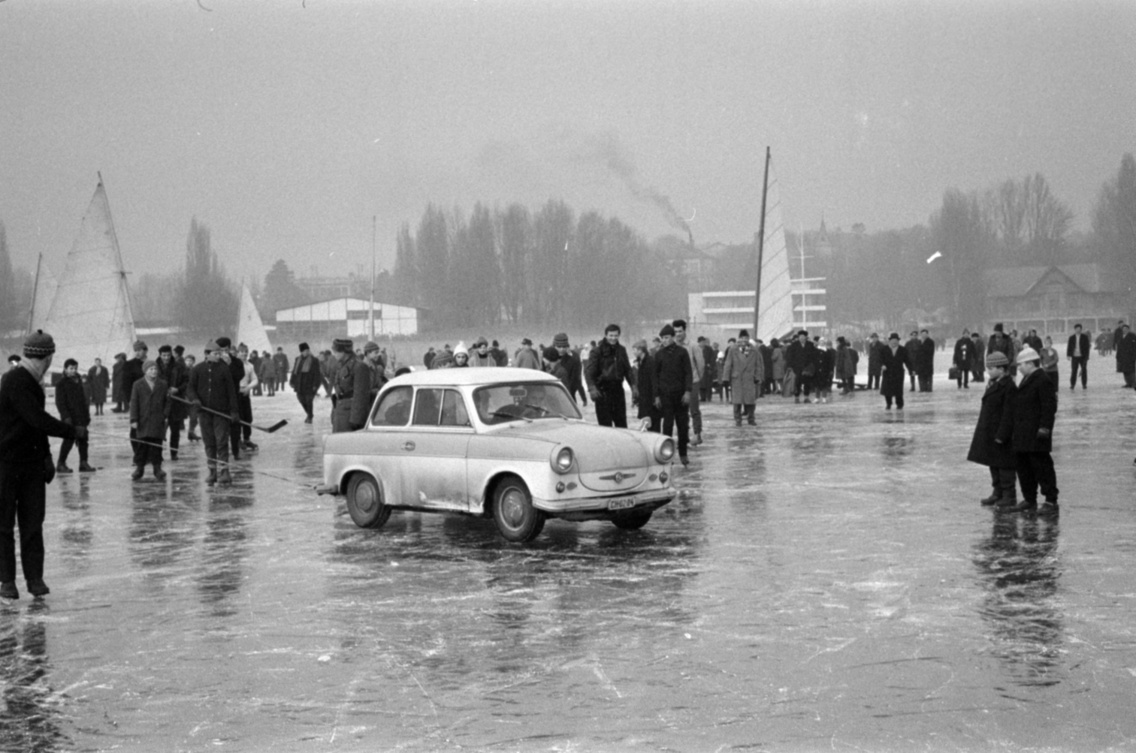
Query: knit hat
[[560, 341], [667, 330], [211, 346], [997, 358], [641, 344], [140, 345], [370, 347], [304, 346], [342, 345], [743, 333], [224, 342], [551, 354], [39, 345], [165, 349], [1027, 354], [526, 341], [998, 328], [461, 350], [146, 366], [481, 341]]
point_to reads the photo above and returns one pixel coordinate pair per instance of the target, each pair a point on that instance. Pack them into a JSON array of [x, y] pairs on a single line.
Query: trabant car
[[494, 442]]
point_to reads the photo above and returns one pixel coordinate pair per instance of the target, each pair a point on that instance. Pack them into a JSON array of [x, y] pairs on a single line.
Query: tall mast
[[373, 225], [35, 289], [759, 241]]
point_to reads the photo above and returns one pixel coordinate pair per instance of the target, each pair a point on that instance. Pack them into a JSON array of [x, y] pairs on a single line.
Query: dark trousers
[[924, 382], [848, 385], [1080, 363], [192, 418], [1003, 480], [611, 407], [139, 450], [280, 382], [151, 452], [963, 377], [873, 380], [1035, 469], [894, 391], [1129, 379], [306, 400], [65, 450], [803, 383], [747, 409], [244, 404], [656, 420], [674, 412], [22, 502], [215, 435], [175, 434], [912, 375]]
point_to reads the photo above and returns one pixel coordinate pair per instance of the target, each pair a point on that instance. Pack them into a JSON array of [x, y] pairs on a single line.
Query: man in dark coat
[[964, 360], [26, 466], [573, 369], [132, 371], [280, 361], [306, 380], [176, 377], [892, 362], [352, 382], [926, 361], [211, 389], [149, 412], [74, 410], [1077, 352], [116, 395], [1126, 356], [674, 381], [98, 380], [801, 358], [911, 347], [978, 365], [607, 369], [1035, 411], [991, 445], [644, 368], [237, 372], [875, 361]]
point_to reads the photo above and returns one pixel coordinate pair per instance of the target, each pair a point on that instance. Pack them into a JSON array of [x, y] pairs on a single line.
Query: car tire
[[513, 511], [632, 521], [365, 502]]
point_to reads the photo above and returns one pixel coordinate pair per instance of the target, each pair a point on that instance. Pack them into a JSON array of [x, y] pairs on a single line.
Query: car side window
[[394, 408], [427, 407], [453, 409]]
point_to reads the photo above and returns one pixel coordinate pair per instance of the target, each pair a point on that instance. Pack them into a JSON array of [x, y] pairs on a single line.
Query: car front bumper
[[601, 508]]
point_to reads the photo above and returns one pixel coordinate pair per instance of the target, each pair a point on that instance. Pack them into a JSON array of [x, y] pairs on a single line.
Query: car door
[[380, 445], [433, 451]]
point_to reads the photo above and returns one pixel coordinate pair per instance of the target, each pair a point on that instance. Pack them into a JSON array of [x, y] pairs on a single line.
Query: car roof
[[475, 376]]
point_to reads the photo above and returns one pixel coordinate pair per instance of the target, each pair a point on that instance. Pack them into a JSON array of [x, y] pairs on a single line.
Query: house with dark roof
[[1053, 299]]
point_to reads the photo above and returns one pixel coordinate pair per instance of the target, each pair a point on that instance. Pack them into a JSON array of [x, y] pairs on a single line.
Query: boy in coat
[[149, 411], [991, 445], [74, 410], [1035, 410]]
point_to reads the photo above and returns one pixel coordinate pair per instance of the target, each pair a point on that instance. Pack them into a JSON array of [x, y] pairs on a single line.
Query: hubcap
[[365, 498], [513, 508]]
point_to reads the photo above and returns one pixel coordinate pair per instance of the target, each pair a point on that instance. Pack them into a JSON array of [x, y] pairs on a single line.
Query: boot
[[193, 437], [61, 467], [8, 590], [1027, 506], [212, 477], [992, 499], [1007, 503], [138, 471], [1049, 510], [84, 468], [697, 439], [225, 479], [158, 472], [173, 454], [38, 588]]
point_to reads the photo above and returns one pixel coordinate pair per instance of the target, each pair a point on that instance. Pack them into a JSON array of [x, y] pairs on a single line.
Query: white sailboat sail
[[90, 315], [250, 328], [42, 297], [775, 300]]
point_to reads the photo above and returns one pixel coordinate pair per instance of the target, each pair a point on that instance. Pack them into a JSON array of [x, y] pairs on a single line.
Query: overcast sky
[[285, 128]]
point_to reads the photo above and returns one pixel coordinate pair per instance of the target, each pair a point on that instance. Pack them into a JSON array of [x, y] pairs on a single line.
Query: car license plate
[[621, 504]]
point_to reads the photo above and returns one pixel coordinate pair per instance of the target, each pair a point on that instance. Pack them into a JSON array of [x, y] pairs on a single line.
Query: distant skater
[[893, 359]]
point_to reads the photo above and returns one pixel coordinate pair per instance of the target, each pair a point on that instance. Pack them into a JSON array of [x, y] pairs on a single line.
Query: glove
[[686, 398], [658, 403], [1043, 433], [594, 393], [48, 470], [236, 417]]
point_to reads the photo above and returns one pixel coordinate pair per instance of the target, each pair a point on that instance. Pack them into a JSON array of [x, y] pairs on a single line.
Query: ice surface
[[826, 580]]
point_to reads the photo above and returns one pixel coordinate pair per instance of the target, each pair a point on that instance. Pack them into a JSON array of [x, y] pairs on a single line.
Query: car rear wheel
[[632, 520], [365, 502], [513, 511]]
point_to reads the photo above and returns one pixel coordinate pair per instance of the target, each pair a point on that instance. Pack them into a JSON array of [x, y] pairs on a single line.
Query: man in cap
[[172, 371], [373, 357], [744, 369], [992, 442], [211, 387], [674, 381], [608, 368], [352, 382], [698, 367], [892, 361], [1035, 411], [236, 369], [280, 360], [26, 465], [306, 380], [573, 369], [526, 357], [132, 371]]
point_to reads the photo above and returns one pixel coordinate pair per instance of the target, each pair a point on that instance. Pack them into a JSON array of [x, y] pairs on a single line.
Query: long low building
[[345, 316]]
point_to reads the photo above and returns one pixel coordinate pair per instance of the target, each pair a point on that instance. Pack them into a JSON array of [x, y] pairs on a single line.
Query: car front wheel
[[632, 521], [365, 502], [513, 511]]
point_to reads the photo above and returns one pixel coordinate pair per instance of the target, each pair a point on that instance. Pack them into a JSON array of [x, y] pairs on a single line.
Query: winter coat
[[71, 402], [1035, 408], [645, 381], [280, 361], [307, 382], [766, 360], [802, 359], [98, 381], [267, 370], [116, 395], [150, 408], [212, 385], [176, 377], [526, 358], [891, 383], [1086, 345], [926, 357], [608, 367], [745, 371], [778, 361], [1126, 354], [710, 370], [24, 424], [991, 444], [353, 392], [132, 371], [964, 353], [826, 366], [913, 347], [875, 357], [674, 373], [846, 360], [574, 380]]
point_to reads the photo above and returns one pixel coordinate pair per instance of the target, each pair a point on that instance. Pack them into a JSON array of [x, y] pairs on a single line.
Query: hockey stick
[[270, 429]]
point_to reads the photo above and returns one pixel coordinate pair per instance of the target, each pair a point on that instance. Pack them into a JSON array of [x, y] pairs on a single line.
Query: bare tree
[[963, 236], [515, 233], [1047, 220], [1114, 220]]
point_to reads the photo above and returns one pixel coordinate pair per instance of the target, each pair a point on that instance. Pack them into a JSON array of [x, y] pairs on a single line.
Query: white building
[[731, 310], [348, 317]]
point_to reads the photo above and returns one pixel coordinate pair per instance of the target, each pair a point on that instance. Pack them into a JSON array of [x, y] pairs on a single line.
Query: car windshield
[[500, 403]]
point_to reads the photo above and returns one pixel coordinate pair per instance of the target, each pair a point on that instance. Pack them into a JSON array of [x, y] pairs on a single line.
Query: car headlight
[[665, 451], [563, 460]]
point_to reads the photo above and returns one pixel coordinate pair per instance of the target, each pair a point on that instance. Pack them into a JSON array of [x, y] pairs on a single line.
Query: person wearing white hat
[[1035, 411]]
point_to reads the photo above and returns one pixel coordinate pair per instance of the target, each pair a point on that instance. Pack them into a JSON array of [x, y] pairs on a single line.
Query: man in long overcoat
[[644, 369], [964, 360], [911, 347], [176, 377], [1035, 411], [892, 362], [875, 361], [116, 395], [98, 379], [1126, 356], [280, 359], [745, 371], [991, 445], [352, 382], [306, 380]]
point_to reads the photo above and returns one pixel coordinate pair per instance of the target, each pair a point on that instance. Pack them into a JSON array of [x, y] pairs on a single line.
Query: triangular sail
[[90, 315], [775, 301], [42, 297], [250, 329]]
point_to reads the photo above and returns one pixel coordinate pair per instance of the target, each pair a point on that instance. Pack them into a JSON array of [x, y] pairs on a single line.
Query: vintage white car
[[501, 442]]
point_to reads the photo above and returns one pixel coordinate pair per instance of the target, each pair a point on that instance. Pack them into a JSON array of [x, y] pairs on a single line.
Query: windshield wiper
[[510, 416]]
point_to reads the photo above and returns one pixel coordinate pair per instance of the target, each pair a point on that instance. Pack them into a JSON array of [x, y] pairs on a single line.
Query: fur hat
[[304, 346], [743, 333], [667, 330], [371, 347], [39, 345], [998, 328], [140, 345], [224, 342], [342, 345], [1027, 354], [997, 358], [560, 341]]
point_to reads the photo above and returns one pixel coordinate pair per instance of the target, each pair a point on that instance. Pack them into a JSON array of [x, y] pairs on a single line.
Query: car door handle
[[408, 446]]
